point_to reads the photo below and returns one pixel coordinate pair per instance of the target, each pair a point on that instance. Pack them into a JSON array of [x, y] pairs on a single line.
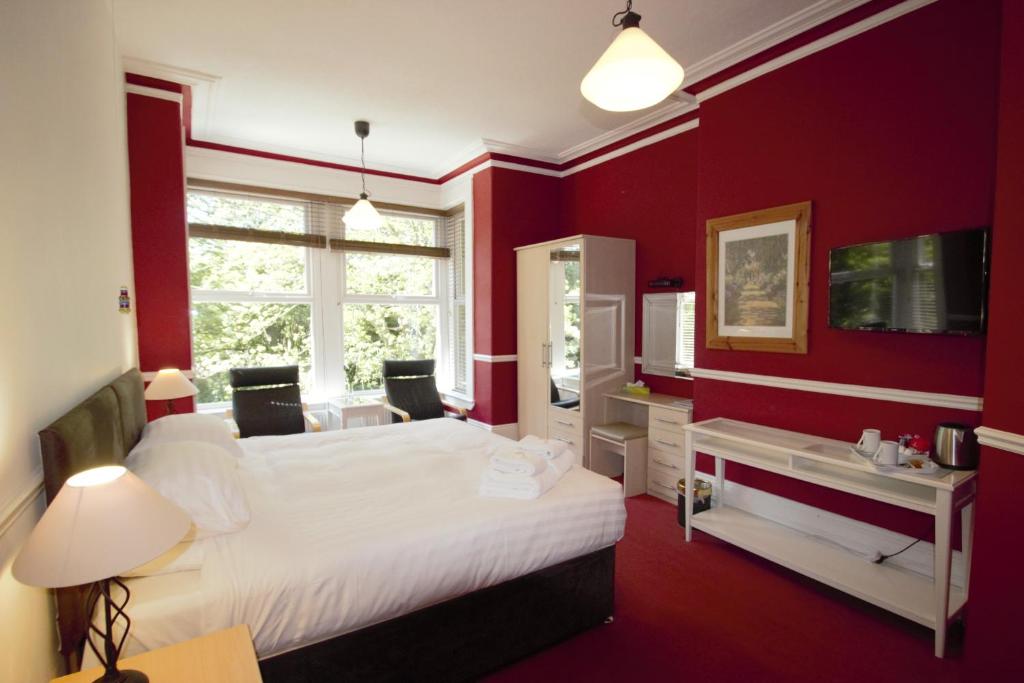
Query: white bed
[[350, 528]]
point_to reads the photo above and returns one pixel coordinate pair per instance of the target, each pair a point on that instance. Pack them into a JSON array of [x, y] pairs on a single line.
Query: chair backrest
[[267, 400], [410, 385]]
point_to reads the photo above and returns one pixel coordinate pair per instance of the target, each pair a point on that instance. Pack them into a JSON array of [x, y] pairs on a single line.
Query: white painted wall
[[66, 250]]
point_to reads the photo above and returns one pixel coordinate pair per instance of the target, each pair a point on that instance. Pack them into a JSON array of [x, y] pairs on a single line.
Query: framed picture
[[758, 277]]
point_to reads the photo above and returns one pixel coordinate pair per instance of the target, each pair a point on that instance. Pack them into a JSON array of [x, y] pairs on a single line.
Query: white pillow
[[199, 477], [190, 427], [188, 555]]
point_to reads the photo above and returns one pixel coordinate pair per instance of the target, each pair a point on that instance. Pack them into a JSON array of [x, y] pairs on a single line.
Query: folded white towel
[[514, 460], [548, 448], [563, 463], [503, 485]]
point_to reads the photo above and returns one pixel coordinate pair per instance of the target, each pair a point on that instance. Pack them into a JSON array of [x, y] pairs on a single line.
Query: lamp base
[[126, 676]]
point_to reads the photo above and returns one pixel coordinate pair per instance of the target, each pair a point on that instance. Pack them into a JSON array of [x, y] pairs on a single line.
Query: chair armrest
[[455, 408], [314, 424], [229, 420], [406, 417]]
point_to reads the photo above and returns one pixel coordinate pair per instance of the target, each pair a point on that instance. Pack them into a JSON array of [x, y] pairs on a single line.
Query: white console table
[[829, 463]]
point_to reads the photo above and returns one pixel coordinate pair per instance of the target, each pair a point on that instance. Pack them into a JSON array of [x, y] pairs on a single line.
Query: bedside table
[[223, 657]]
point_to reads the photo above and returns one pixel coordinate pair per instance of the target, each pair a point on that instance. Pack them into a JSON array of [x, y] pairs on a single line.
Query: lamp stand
[[112, 611]]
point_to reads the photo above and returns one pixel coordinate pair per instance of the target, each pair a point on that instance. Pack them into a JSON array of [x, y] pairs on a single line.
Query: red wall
[[159, 237], [510, 209], [649, 195], [997, 600], [869, 132]]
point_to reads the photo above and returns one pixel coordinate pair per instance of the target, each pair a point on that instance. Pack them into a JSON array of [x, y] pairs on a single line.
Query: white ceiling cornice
[[203, 86]]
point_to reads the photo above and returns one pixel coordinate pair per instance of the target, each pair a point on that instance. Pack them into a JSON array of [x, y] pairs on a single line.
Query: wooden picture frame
[[758, 268]]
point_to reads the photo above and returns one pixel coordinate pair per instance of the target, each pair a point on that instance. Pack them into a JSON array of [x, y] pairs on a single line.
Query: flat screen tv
[[931, 284]]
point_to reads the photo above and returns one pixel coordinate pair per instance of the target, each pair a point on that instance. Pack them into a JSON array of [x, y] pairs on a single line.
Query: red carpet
[[710, 612]]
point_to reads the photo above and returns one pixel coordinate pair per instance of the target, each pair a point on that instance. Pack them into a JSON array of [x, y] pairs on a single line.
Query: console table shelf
[[830, 463]]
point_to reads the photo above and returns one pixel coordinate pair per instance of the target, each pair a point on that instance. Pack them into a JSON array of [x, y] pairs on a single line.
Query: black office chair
[[412, 392], [557, 400], [267, 401]]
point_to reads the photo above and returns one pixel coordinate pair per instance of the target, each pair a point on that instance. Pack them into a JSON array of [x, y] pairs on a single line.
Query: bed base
[[466, 637]]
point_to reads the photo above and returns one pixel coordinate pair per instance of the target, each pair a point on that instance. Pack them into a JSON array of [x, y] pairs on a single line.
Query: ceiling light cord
[[627, 18], [362, 163]]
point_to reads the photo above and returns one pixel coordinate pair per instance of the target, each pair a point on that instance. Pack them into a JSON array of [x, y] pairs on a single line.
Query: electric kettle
[[956, 446]]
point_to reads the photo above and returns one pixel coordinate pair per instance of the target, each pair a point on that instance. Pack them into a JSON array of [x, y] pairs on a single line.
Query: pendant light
[[634, 72], [363, 215]]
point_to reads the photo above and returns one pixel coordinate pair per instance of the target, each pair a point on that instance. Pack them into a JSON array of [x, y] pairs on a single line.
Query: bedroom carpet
[[712, 612]]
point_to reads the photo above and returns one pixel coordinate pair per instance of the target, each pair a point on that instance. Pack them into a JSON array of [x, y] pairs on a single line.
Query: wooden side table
[[222, 657]]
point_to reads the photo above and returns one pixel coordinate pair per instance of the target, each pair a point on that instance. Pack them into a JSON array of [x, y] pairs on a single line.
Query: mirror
[[564, 325], [668, 333]]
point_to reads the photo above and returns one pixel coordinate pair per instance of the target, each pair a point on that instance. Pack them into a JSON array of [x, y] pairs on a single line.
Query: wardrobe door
[[532, 350]]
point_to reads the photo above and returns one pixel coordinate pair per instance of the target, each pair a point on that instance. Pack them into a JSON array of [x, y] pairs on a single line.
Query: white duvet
[[353, 527]]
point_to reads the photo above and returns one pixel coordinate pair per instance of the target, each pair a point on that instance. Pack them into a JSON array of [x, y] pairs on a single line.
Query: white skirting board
[[509, 430], [856, 537]]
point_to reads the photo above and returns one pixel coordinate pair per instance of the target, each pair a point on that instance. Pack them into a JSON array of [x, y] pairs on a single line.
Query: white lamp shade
[[103, 522], [363, 216], [170, 383], [633, 73]]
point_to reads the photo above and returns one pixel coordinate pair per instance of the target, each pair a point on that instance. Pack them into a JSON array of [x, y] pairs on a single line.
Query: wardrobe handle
[[551, 350], [544, 355], [665, 464]]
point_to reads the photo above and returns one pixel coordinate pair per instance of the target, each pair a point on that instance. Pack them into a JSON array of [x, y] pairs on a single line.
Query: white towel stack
[[527, 469]]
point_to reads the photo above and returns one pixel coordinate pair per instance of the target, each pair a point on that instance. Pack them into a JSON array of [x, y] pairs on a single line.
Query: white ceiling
[[434, 77]]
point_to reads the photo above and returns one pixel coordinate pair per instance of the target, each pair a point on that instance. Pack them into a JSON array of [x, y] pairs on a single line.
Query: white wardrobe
[[575, 333]]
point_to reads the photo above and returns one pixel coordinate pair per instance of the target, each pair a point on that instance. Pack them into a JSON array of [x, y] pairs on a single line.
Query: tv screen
[[932, 283]]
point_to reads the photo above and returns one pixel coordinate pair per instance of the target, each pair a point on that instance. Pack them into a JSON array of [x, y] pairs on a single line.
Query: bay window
[[278, 280]]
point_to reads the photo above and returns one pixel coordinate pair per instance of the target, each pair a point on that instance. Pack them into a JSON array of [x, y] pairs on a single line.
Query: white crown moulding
[[204, 92]]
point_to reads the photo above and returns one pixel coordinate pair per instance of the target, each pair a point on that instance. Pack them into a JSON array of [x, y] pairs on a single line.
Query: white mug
[[869, 441], [888, 453]]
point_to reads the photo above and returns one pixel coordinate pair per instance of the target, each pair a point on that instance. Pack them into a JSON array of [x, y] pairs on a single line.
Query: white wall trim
[[924, 398], [485, 358], [856, 537], [15, 510], [822, 43], [1003, 440], [204, 88], [632, 147], [509, 430], [159, 94], [529, 169]]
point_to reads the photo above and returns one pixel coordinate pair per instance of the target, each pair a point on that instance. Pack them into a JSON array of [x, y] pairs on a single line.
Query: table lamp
[[102, 523], [169, 384]]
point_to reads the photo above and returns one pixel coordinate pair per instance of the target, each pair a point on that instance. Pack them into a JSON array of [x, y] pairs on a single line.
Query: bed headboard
[[100, 430]]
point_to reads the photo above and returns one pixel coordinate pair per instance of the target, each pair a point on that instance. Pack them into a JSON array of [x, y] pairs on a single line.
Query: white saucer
[[867, 455]]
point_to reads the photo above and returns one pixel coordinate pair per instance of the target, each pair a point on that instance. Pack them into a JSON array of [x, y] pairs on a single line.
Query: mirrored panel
[[564, 324], [669, 326]]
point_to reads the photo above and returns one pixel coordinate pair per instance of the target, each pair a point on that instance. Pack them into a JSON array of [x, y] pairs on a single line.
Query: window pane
[[246, 266], [399, 230], [231, 335], [240, 212], [376, 332], [389, 274]]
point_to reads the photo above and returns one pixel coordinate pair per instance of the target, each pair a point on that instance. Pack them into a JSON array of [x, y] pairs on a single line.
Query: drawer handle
[[665, 464], [666, 421], [667, 443], [664, 486], [564, 440], [563, 423]]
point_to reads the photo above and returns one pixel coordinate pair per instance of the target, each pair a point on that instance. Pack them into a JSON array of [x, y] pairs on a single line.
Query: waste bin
[[701, 497]]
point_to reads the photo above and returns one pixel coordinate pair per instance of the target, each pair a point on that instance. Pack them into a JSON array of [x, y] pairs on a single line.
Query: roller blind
[[320, 228]]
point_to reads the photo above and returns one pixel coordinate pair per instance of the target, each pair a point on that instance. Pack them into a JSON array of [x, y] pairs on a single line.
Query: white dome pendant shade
[[363, 215], [634, 72]]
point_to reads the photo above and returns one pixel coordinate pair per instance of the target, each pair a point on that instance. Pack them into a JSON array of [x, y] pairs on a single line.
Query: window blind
[[686, 329], [322, 229], [455, 240]]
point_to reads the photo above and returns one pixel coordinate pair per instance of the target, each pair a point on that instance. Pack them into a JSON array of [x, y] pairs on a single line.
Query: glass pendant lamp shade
[[363, 215], [633, 73]]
